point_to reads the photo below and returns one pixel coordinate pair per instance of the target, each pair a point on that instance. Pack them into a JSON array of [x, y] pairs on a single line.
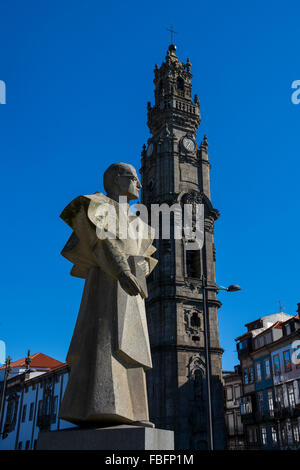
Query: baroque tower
[[176, 170]]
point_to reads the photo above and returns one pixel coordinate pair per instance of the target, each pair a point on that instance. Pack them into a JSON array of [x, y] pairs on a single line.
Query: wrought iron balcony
[[248, 418], [287, 412]]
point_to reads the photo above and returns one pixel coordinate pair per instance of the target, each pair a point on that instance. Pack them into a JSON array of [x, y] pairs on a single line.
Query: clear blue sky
[[79, 75]]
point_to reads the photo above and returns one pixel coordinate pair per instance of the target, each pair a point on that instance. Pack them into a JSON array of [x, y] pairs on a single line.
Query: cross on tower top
[[172, 33]]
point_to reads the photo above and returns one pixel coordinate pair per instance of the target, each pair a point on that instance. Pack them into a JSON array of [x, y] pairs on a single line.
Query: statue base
[[111, 438]]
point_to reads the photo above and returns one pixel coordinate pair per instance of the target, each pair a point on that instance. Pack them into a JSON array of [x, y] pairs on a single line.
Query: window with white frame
[[239, 423], [279, 396], [251, 375], [260, 341], [54, 409], [274, 435], [246, 377], [291, 395], [296, 434], [258, 372], [246, 405], [229, 393], [11, 412], [268, 338], [252, 435], [287, 360], [230, 423], [283, 434], [267, 368], [260, 402], [263, 434], [270, 401], [237, 392], [276, 362]]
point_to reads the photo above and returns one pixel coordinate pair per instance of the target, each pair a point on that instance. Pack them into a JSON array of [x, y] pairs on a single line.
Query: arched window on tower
[[180, 83], [193, 264], [198, 384], [195, 320]]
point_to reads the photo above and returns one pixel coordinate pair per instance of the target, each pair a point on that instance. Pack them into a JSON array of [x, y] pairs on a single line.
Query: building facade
[[32, 401], [270, 404], [232, 382], [175, 170]]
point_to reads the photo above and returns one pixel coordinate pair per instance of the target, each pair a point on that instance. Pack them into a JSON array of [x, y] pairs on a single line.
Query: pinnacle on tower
[[173, 95]]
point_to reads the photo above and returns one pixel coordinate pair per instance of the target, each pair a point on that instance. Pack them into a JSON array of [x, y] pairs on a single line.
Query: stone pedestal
[[112, 438]]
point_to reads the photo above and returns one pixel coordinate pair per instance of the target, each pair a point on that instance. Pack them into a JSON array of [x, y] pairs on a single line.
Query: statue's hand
[[144, 267], [129, 283]]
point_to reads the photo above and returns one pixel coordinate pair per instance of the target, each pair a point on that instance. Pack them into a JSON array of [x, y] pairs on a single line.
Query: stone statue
[[109, 351]]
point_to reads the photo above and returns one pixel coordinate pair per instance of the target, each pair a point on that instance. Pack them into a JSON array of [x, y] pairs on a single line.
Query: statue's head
[[120, 179]]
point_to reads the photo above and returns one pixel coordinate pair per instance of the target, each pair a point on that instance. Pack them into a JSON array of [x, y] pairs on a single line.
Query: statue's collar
[[101, 198]]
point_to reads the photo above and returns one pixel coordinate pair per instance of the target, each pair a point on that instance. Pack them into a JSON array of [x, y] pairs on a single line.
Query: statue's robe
[[109, 350]]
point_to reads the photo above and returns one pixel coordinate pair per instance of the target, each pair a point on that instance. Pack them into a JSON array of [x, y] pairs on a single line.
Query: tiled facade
[[270, 405]]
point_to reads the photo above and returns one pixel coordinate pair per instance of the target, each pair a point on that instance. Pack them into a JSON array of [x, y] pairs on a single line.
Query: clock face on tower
[[188, 144]]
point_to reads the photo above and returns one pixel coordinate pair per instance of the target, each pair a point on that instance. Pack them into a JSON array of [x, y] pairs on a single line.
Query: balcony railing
[[252, 445], [269, 415], [287, 412], [264, 415], [248, 418]]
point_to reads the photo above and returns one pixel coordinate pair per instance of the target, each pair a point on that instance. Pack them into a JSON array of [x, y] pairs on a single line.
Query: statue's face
[[129, 184]]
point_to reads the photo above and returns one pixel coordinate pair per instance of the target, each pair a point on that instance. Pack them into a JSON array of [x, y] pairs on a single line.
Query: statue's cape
[[90, 220], [103, 291]]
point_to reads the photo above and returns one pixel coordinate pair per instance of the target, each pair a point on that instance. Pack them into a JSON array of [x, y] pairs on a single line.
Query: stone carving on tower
[[175, 169]]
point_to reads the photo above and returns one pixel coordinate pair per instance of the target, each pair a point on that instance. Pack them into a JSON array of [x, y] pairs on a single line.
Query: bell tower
[[175, 169]]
